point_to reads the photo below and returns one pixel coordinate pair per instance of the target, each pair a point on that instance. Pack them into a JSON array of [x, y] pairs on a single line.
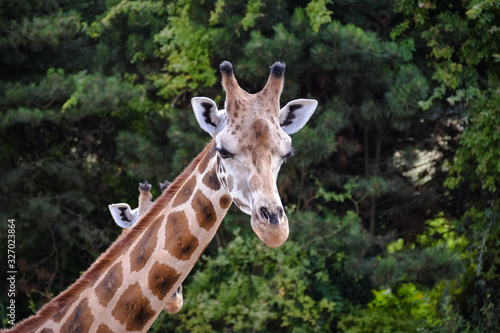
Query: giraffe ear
[[123, 215], [211, 119], [295, 114]]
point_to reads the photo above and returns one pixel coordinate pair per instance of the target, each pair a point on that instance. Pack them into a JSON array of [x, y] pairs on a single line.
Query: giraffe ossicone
[[128, 286], [125, 217]]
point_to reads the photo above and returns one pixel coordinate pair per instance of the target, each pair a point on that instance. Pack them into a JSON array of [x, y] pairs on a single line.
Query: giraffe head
[[252, 136]]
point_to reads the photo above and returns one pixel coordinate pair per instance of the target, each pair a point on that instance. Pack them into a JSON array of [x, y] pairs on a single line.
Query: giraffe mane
[[120, 245]]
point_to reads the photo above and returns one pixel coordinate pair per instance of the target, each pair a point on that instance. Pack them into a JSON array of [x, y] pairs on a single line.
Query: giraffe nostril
[[264, 213], [274, 219], [280, 212]]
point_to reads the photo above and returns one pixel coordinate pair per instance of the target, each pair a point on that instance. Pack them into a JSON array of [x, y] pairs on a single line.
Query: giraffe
[[127, 287], [126, 218]]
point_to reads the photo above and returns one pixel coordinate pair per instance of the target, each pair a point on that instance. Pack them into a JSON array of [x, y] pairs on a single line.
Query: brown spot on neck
[[103, 328], [144, 249], [80, 320], [211, 180], [109, 285], [225, 201], [179, 242], [60, 315], [206, 159], [133, 309], [205, 211], [161, 279], [185, 192]]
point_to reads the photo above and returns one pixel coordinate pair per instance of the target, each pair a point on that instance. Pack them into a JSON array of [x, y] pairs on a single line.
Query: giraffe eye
[[290, 154], [224, 153]]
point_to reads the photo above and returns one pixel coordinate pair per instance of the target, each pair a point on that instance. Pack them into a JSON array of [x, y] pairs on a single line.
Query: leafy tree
[[460, 42], [406, 310], [47, 192]]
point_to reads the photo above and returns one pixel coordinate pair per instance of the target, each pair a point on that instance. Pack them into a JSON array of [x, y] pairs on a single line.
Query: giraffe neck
[[130, 292]]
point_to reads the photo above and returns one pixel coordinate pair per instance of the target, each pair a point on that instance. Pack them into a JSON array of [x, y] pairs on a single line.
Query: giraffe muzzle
[[270, 225]]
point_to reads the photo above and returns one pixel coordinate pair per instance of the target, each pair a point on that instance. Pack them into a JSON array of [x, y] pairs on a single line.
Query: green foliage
[[318, 14], [253, 12], [435, 250], [477, 300], [187, 53], [458, 46], [407, 310], [247, 275], [462, 51], [476, 163], [38, 32]]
